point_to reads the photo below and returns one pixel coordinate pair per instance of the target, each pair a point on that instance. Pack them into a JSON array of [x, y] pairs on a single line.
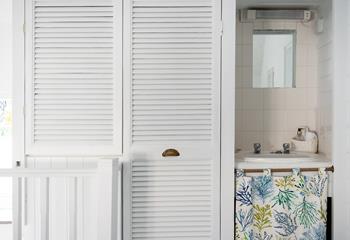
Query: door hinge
[[221, 28]]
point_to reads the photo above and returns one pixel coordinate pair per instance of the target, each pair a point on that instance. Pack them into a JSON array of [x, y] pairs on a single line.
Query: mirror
[[274, 58]]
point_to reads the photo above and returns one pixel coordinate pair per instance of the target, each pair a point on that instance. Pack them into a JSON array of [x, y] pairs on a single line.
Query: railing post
[[107, 176]]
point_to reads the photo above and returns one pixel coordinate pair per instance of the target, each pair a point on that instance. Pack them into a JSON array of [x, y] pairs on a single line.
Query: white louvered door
[[174, 94], [73, 77]]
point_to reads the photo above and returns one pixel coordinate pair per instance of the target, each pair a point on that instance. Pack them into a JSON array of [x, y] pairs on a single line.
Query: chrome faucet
[[257, 148], [286, 148]]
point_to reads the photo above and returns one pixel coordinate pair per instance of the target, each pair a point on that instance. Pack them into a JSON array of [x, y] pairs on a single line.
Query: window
[[5, 108]]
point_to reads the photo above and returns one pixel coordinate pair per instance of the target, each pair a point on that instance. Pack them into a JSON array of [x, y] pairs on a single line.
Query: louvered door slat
[[164, 208], [165, 36], [74, 64]]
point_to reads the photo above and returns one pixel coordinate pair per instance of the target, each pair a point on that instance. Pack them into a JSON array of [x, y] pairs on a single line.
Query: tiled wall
[[325, 73], [272, 116]]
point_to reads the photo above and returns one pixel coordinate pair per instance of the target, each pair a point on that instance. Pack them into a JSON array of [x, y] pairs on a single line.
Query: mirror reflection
[[274, 59]]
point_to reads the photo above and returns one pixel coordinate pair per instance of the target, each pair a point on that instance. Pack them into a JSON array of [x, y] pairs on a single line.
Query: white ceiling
[[277, 3]]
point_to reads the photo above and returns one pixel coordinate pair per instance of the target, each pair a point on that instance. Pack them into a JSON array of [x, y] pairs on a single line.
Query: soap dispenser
[[299, 136], [305, 141]]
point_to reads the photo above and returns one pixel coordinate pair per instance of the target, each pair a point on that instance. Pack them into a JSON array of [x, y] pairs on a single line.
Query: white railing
[[36, 187]]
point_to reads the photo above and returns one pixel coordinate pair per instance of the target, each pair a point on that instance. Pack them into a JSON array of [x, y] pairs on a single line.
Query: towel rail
[[281, 170]]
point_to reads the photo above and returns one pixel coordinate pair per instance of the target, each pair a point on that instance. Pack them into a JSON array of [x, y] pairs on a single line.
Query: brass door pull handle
[[171, 152]]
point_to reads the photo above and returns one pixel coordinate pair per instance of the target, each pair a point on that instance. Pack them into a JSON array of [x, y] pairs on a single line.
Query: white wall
[[272, 116], [341, 119]]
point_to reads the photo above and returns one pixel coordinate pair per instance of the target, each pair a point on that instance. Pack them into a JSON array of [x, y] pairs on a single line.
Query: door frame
[[228, 117], [340, 121]]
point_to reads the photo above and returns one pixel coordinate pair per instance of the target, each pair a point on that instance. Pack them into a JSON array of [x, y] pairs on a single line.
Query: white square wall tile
[[312, 55], [305, 32], [238, 99], [274, 120], [288, 135], [239, 33], [302, 55], [239, 120], [247, 77], [301, 76], [312, 119], [252, 99], [311, 77], [312, 98], [295, 119], [301, 31], [238, 140], [238, 77], [252, 120], [248, 33], [239, 55], [247, 55], [274, 99], [249, 138], [296, 99], [274, 140]]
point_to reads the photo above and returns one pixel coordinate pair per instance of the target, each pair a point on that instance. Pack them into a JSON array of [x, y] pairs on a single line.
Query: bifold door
[[73, 112], [174, 94]]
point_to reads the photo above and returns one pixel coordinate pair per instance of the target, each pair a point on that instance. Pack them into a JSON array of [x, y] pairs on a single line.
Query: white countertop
[[318, 161]]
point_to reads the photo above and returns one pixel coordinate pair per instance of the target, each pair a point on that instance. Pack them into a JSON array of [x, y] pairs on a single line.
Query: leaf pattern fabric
[[291, 207]]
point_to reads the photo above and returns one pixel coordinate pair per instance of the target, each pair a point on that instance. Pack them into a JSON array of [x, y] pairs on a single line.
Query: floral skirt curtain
[[281, 208]]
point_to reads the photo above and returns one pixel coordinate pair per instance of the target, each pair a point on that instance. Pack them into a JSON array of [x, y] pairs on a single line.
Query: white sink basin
[[275, 157]]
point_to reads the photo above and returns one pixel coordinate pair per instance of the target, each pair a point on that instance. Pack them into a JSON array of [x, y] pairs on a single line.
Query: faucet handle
[[286, 148], [257, 148]]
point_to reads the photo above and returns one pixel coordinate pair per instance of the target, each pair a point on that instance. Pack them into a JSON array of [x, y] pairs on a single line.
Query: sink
[[277, 157], [249, 160]]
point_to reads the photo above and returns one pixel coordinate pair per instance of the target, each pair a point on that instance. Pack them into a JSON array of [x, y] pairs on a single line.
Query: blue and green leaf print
[[316, 185], [244, 193], [286, 195], [262, 216], [284, 198], [317, 232], [244, 218], [285, 225], [262, 187], [263, 236], [306, 213], [323, 213], [281, 208]]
